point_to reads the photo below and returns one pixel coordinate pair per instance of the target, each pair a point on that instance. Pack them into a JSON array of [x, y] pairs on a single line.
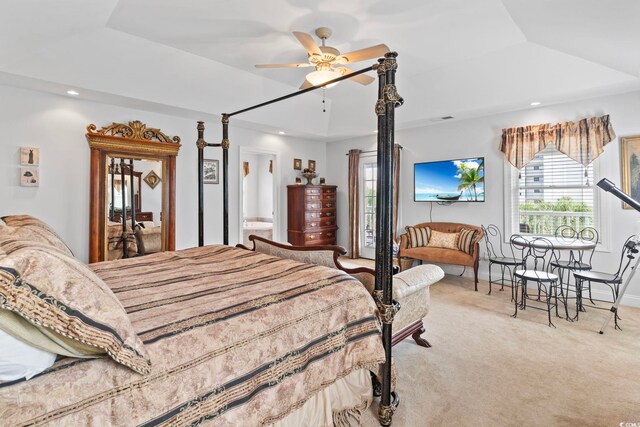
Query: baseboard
[[483, 274]]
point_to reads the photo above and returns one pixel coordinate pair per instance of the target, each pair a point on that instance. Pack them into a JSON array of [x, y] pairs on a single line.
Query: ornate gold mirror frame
[[133, 140]]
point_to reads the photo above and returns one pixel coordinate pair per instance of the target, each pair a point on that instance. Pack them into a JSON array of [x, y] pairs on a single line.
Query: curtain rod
[[375, 151], [309, 89]]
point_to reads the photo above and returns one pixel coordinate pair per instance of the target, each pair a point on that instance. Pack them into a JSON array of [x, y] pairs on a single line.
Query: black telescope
[[610, 187]]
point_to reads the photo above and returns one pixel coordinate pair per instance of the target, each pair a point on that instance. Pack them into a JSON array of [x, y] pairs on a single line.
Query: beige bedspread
[[235, 338]]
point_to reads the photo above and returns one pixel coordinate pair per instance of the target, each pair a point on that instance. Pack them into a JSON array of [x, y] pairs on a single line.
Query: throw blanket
[[235, 338]]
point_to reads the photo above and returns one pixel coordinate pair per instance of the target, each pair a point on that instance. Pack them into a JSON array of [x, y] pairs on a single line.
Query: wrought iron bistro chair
[[538, 255], [613, 281], [507, 261], [578, 260]]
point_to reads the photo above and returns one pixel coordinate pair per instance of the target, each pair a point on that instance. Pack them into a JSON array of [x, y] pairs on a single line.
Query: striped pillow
[[54, 291], [418, 236], [466, 240], [31, 228]]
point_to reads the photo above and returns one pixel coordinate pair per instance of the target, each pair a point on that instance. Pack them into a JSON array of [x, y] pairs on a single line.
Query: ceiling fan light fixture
[[319, 77]]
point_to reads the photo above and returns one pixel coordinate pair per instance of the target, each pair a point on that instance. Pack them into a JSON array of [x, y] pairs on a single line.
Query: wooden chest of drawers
[[311, 211]]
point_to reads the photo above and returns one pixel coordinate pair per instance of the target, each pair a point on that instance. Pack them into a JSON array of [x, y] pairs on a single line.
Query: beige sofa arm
[[404, 242], [414, 279]]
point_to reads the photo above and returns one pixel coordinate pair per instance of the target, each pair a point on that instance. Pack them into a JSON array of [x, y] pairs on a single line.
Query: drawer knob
[[313, 224], [329, 205], [311, 237], [329, 234]]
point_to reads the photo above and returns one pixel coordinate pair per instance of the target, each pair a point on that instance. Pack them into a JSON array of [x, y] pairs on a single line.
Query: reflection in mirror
[[132, 191], [141, 232]]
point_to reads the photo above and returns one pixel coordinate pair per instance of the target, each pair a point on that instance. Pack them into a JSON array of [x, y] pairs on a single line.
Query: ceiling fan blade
[[376, 51], [306, 64], [363, 79], [308, 42], [306, 84]]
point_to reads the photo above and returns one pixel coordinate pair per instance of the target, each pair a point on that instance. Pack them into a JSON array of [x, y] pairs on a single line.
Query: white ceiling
[[195, 58]]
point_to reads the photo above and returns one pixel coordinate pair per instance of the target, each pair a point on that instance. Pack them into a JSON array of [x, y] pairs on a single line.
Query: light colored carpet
[[488, 369]]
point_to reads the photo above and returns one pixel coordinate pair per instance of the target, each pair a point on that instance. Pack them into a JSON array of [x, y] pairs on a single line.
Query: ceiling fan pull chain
[[324, 110]]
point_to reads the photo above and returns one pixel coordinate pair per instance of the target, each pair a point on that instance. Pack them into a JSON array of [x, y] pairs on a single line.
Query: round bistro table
[[560, 244]]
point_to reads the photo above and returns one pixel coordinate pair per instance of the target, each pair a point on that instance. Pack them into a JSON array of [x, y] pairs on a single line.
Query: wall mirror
[[132, 191]]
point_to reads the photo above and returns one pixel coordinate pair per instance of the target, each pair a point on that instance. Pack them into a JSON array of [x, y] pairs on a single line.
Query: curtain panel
[[354, 211], [583, 141]]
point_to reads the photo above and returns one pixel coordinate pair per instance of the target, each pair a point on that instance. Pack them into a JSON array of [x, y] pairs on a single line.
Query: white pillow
[[19, 360]]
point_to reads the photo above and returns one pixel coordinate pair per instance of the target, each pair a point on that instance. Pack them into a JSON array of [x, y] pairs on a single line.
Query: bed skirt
[[340, 404]]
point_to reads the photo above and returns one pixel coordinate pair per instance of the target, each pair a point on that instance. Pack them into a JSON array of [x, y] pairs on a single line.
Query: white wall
[[57, 125], [250, 183], [481, 137], [265, 186]]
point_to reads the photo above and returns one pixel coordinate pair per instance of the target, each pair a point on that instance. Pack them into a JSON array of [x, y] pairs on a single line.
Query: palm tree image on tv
[[451, 180], [470, 178]]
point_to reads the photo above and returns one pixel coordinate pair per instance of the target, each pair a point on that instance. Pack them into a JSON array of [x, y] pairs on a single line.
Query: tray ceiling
[[457, 57]]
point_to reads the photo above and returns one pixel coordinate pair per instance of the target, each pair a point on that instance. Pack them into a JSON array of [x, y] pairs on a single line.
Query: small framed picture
[[322, 182], [297, 164], [29, 177], [152, 179], [211, 171], [312, 165], [298, 180], [29, 156]]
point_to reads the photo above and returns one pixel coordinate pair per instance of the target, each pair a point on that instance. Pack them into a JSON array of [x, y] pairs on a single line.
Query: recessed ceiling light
[[281, 132], [535, 103], [72, 93]]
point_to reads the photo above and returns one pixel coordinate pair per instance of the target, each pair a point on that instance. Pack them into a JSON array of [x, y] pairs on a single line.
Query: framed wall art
[[630, 159], [312, 165], [29, 156], [152, 179], [29, 177], [297, 164]]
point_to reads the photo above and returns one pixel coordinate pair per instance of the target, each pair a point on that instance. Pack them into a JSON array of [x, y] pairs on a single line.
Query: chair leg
[[548, 294], [475, 273], [490, 265], [578, 298], [515, 303]]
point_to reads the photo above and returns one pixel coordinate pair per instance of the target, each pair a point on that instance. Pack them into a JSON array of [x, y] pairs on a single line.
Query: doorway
[[258, 195], [368, 189]]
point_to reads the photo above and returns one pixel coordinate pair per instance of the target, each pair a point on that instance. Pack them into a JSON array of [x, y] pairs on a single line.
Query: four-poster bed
[[388, 100], [213, 334]]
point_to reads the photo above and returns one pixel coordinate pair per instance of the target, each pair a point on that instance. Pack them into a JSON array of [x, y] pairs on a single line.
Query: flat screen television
[[460, 180]]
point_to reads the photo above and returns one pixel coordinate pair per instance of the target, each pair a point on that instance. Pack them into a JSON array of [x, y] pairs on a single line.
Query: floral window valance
[[583, 140]]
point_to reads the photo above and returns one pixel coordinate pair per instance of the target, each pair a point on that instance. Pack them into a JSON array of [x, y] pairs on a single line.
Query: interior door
[[368, 188]]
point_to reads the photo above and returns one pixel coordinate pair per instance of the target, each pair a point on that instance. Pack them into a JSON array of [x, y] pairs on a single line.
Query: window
[[553, 190], [368, 187]]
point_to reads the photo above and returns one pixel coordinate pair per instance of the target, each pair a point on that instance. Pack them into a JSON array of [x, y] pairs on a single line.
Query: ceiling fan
[[328, 61]]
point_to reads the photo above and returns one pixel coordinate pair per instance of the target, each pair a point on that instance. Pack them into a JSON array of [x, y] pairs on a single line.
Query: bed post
[[132, 197], [225, 175], [123, 217], [388, 99], [200, 143]]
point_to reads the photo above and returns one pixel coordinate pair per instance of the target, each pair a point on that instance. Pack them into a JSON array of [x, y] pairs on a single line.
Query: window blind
[[553, 190]]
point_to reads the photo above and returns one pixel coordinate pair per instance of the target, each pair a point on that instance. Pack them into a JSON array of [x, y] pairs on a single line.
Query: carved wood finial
[[134, 130]]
